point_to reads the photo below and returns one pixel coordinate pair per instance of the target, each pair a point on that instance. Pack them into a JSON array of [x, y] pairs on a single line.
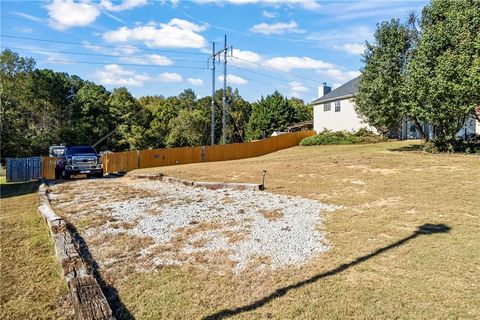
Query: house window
[[337, 106], [327, 107]]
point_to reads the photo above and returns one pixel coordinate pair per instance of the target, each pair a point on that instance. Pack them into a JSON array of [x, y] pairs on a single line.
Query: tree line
[[41, 107], [426, 70]]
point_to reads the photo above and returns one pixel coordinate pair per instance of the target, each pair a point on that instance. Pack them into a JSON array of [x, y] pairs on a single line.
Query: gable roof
[[346, 90]]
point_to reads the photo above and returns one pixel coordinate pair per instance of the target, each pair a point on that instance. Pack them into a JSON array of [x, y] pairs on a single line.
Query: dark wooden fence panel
[[24, 169]]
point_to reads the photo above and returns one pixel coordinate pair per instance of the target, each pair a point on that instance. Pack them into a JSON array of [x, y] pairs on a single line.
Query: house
[[335, 110]]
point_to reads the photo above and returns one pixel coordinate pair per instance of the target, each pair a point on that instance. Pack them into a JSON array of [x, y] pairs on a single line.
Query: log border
[[85, 293]]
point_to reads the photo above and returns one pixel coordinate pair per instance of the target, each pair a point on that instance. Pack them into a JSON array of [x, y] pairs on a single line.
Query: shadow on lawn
[[119, 310], [409, 148], [425, 229]]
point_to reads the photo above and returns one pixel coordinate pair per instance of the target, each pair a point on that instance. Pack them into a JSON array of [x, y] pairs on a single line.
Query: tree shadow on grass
[[409, 148], [426, 229], [119, 310]]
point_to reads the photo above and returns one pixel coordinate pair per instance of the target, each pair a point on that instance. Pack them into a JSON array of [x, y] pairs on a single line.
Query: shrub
[[342, 137], [470, 145]]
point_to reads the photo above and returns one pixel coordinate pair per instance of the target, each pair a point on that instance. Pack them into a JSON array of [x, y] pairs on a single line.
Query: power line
[[258, 73], [120, 64], [102, 45], [274, 69], [267, 75], [273, 85], [100, 55]]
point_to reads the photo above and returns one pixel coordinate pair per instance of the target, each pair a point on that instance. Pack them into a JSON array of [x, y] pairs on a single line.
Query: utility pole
[[212, 137], [224, 96]]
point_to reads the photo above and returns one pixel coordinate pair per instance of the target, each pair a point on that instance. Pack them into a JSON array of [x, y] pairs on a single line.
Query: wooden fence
[[48, 167], [23, 169], [131, 160]]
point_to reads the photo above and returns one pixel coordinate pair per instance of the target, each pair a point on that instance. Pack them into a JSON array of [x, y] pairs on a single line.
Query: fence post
[[138, 159]]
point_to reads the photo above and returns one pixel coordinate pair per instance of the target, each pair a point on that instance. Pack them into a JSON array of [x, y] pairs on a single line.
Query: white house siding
[[347, 119], [470, 128]]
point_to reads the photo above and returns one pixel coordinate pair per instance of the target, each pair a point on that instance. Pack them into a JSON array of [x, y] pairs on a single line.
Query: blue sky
[[162, 47]]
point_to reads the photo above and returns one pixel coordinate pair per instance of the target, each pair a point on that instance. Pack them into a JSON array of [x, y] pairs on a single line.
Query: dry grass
[[272, 215], [386, 195], [31, 285]]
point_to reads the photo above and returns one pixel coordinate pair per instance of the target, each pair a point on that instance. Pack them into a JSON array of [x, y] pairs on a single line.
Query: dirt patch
[[272, 215]]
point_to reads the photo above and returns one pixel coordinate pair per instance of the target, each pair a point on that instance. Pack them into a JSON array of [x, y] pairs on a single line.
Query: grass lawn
[[377, 266], [31, 286]]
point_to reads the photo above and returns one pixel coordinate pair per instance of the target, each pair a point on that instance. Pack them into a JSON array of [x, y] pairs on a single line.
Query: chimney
[[323, 90]]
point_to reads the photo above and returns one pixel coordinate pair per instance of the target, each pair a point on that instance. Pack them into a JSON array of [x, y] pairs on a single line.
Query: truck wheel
[[99, 175]]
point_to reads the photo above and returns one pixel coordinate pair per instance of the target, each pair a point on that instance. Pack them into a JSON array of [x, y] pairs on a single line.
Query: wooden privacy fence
[[131, 160], [48, 167], [23, 169]]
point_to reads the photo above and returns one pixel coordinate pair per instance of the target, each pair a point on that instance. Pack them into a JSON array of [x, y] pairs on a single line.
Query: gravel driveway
[[154, 224]]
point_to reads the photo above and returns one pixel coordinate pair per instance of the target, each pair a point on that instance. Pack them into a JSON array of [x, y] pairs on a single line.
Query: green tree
[[51, 97], [189, 128], [163, 111], [130, 118], [273, 113], [15, 74], [443, 78], [381, 98], [303, 112], [90, 116]]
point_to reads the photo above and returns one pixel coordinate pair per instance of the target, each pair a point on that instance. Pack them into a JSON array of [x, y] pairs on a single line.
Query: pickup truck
[[79, 160]]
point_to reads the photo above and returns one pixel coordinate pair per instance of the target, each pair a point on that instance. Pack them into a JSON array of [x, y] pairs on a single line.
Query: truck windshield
[[80, 149]]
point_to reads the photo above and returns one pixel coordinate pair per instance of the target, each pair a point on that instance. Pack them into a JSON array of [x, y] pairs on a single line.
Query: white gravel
[[293, 236]]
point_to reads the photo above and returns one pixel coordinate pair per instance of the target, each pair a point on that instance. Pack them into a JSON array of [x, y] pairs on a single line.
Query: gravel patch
[[248, 228]]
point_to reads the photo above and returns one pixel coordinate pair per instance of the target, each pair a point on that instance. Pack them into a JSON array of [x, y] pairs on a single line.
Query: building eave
[[320, 101]]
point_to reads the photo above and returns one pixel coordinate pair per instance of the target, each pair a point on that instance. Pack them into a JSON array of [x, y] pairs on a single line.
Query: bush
[[342, 137], [470, 145]]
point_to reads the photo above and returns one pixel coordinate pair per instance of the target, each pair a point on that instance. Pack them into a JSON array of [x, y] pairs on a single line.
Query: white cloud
[[177, 33], [339, 75], [28, 17], [289, 63], [127, 50], [269, 14], [339, 36], [23, 29], [113, 74], [148, 59], [169, 77], [297, 88], [306, 4], [65, 14], [245, 58], [276, 28], [196, 82], [124, 5], [108, 14], [233, 79], [353, 48]]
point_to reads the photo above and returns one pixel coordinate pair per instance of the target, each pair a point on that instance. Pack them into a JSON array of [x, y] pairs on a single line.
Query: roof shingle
[[346, 90]]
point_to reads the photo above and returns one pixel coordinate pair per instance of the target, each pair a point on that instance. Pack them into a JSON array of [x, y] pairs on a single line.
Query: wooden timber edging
[[200, 184], [86, 296]]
